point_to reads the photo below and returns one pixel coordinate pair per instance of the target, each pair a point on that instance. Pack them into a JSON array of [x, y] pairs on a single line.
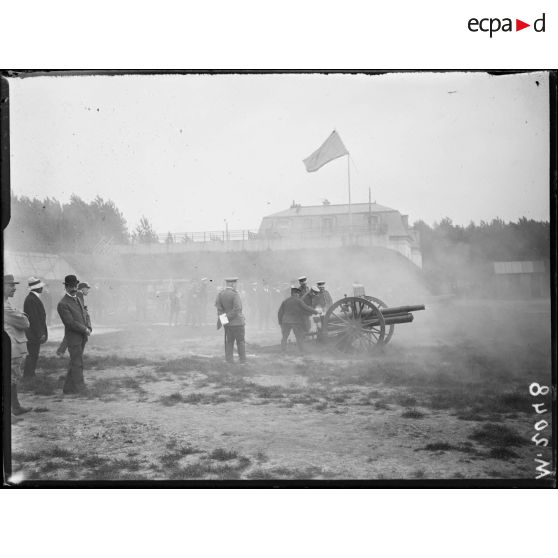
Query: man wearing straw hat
[[37, 333], [15, 324], [76, 332]]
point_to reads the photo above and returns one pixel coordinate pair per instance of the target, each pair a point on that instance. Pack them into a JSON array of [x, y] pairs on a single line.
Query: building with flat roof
[[372, 224], [521, 279]]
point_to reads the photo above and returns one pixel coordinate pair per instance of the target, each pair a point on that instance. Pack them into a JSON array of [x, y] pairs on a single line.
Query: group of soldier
[[28, 330], [293, 315], [195, 294], [189, 302]]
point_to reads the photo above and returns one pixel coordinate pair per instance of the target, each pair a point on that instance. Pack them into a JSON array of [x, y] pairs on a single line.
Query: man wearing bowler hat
[[15, 324], [82, 292], [37, 333], [228, 302], [74, 316]]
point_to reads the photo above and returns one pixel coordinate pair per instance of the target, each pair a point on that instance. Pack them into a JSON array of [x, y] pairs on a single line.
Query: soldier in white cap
[[323, 299], [310, 299], [302, 286], [228, 302], [37, 333]]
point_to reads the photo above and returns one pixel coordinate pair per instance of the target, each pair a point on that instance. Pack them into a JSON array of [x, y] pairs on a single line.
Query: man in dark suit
[[37, 333], [293, 315], [82, 292], [74, 316]]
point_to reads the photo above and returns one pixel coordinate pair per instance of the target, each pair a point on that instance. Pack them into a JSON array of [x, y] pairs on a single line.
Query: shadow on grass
[[467, 379], [465, 447], [503, 453], [497, 436], [41, 385], [101, 362], [221, 454], [237, 389], [192, 399], [106, 387], [413, 414], [52, 451], [78, 466], [218, 464]]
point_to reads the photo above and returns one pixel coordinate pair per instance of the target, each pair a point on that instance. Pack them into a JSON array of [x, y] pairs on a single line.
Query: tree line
[[48, 225], [454, 254], [496, 240]]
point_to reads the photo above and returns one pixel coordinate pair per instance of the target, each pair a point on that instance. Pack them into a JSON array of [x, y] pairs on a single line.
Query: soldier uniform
[[310, 297], [174, 300], [292, 315], [302, 286], [323, 299], [228, 302], [310, 300], [263, 294]]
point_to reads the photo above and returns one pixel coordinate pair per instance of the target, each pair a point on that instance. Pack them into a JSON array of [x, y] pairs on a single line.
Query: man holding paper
[[229, 312]]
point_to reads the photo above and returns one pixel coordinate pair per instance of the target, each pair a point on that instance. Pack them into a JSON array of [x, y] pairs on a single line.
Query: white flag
[[331, 149]]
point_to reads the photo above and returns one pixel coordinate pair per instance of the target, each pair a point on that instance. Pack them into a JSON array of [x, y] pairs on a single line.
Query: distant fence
[[268, 234], [252, 241], [207, 236]]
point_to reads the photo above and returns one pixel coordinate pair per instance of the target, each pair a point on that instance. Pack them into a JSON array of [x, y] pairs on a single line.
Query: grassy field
[[448, 398]]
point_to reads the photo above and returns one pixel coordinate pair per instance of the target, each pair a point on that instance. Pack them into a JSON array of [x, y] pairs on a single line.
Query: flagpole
[[350, 208]]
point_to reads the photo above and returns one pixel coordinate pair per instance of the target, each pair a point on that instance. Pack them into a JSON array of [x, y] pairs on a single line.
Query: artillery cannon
[[358, 324]]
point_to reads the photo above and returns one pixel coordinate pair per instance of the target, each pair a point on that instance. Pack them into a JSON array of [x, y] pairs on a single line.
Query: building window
[[327, 224], [307, 223], [373, 222], [284, 224]]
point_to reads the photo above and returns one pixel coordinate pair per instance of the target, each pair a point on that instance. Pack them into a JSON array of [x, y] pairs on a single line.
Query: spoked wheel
[[354, 325], [389, 328]]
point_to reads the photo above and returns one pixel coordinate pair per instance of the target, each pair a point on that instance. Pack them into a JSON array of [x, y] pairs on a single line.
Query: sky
[[193, 151]]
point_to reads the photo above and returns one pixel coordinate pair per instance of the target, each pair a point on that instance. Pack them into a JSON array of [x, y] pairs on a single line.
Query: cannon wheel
[[389, 328], [349, 331]]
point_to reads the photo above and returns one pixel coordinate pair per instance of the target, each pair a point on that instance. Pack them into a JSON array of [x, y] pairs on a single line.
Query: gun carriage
[[361, 323]]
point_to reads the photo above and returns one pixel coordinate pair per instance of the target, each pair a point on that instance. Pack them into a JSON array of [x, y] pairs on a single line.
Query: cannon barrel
[[401, 309], [402, 318], [393, 311], [392, 319]]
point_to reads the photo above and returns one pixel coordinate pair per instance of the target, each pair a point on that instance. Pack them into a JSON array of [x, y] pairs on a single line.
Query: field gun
[[358, 324]]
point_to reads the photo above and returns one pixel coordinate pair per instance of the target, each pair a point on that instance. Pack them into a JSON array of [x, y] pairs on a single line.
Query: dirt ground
[[447, 398]]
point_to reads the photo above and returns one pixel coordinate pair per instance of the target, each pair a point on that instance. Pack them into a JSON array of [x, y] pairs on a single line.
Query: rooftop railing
[[251, 234]]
